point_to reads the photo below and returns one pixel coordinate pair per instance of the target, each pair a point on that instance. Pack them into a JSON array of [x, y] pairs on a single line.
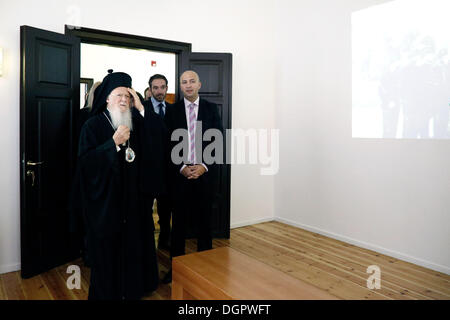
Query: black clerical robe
[[116, 200]]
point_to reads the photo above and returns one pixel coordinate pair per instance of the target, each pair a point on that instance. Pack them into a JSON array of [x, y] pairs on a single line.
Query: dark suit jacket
[[153, 152], [153, 179], [175, 118]]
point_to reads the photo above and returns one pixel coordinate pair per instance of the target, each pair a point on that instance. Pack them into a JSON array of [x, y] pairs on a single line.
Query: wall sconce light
[[1, 61]]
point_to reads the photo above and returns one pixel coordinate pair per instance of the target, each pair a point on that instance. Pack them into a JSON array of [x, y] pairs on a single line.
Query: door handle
[[31, 163], [31, 173]]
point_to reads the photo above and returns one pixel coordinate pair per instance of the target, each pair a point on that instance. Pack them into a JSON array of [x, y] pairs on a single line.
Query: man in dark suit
[[156, 102], [191, 182]]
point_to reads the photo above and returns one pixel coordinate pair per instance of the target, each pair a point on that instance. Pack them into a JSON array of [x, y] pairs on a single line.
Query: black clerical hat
[[110, 82]]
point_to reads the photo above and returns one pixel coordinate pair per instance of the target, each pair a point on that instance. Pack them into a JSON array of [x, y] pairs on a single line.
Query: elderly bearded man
[[121, 174]]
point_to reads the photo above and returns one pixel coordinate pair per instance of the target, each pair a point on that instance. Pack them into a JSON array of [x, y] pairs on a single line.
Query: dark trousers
[[192, 207]]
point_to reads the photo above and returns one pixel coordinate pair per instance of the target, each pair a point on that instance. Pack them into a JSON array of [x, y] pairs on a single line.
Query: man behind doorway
[[147, 93], [157, 102]]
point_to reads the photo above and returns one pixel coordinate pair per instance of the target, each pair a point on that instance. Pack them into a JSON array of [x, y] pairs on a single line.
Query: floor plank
[[12, 286], [332, 265], [35, 289], [2, 290], [399, 267], [394, 270], [298, 268], [57, 288], [345, 268]]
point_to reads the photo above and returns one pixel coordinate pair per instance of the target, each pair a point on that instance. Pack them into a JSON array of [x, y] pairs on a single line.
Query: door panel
[[53, 63], [215, 72], [50, 74]]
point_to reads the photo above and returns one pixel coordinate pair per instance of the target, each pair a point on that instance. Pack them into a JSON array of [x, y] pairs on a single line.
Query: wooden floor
[[332, 265]]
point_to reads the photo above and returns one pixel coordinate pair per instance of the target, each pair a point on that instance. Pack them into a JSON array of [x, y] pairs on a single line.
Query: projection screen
[[401, 70]]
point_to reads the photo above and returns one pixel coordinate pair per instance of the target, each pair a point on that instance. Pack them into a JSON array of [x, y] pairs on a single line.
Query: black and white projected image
[[401, 70]]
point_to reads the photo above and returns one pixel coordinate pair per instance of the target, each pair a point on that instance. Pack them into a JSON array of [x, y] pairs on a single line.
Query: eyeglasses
[[120, 96]]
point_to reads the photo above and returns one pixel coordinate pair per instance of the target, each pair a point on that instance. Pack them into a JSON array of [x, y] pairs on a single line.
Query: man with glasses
[[118, 187]]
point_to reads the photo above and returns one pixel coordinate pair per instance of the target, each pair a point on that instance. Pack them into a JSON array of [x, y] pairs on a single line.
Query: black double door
[[49, 104]]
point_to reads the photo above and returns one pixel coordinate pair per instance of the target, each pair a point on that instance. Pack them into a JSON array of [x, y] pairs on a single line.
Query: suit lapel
[[201, 110], [182, 114]]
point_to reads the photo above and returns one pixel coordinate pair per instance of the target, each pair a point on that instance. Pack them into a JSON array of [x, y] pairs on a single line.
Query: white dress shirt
[[156, 103], [187, 103]]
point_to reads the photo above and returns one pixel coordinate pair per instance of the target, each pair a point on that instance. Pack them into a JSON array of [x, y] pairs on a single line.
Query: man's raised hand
[[121, 135], [136, 101]]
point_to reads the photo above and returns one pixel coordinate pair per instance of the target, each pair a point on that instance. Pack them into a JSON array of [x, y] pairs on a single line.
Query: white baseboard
[[391, 253], [9, 268], [250, 222]]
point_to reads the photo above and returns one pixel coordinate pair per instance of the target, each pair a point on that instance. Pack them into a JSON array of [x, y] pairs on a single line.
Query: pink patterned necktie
[[192, 126]]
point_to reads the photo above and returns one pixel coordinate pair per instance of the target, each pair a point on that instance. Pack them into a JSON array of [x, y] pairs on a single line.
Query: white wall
[[388, 195], [292, 71], [211, 26]]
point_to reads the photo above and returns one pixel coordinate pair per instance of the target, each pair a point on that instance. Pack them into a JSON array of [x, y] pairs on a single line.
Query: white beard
[[121, 118]]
